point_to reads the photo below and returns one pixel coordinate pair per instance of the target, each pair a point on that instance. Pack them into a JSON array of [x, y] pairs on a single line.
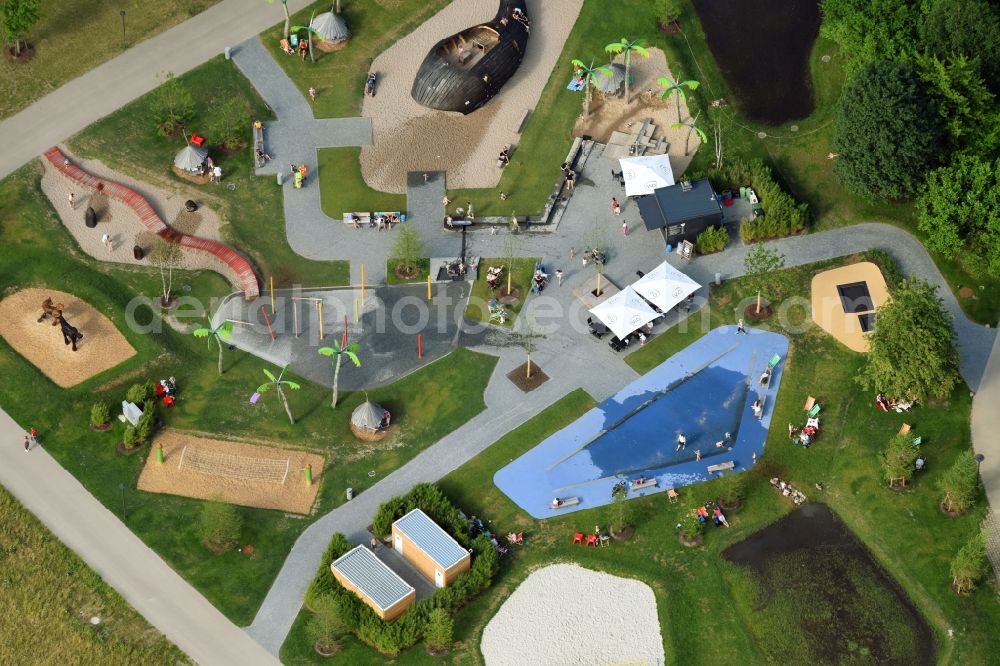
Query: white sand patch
[[411, 137], [565, 614]]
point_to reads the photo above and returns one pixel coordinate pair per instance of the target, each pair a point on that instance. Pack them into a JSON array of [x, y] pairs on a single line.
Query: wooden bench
[[648, 483], [729, 464], [565, 502], [364, 219]]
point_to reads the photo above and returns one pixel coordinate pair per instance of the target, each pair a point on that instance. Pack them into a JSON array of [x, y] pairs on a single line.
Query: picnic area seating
[[904, 429], [810, 403], [592, 540], [729, 464], [562, 502], [578, 538], [672, 494], [814, 410], [646, 483], [364, 218], [917, 441], [775, 360]]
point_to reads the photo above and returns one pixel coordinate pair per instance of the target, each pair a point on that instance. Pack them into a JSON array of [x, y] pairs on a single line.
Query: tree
[[529, 340], [218, 333], [338, 353], [511, 246], [963, 102], [166, 256], [959, 211], [887, 132], [692, 126], [278, 383], [912, 350], [100, 414], [589, 75], [761, 264], [145, 426], [970, 564], [628, 47], [17, 17], [731, 488], [407, 249], [899, 461], [326, 625], [221, 524], [964, 27], [871, 30], [960, 484], [288, 19], [620, 512], [676, 89], [670, 11], [439, 630], [229, 122], [171, 105]]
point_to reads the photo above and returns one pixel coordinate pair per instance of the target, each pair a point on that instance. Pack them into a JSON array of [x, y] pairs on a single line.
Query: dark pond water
[[817, 582], [762, 48]]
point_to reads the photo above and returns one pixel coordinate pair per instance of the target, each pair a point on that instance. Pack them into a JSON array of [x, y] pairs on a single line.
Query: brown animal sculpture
[[50, 309]]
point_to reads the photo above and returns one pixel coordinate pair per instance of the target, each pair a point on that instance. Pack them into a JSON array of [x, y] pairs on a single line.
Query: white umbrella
[[644, 174], [330, 26], [367, 415], [665, 286], [613, 82], [624, 312], [190, 158]]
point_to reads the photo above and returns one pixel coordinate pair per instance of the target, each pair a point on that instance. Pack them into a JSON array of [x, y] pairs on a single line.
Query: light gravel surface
[[565, 614]]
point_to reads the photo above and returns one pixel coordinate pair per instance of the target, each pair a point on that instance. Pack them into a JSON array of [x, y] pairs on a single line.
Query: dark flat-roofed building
[[681, 211]]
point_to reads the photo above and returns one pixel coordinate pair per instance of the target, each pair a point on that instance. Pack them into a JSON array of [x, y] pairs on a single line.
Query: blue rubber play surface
[[705, 392]]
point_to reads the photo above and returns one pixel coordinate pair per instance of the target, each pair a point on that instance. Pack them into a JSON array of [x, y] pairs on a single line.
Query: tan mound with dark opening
[[102, 346], [265, 477]]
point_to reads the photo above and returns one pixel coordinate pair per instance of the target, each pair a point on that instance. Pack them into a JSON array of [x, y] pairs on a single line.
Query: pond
[[812, 593], [762, 48]]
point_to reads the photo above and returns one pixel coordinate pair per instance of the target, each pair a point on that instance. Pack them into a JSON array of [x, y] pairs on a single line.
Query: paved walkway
[[165, 599], [985, 426], [105, 89]]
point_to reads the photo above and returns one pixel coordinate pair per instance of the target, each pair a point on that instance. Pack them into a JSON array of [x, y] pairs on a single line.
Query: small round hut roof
[[190, 158], [330, 26], [367, 415], [613, 82]]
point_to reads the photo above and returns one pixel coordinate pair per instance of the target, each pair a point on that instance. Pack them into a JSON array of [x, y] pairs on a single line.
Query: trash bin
[[190, 206], [350, 494], [138, 253]]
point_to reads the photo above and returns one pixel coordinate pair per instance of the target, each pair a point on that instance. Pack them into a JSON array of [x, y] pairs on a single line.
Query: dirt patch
[[102, 346], [818, 596], [26, 54], [187, 222], [751, 313], [519, 377], [265, 477], [965, 292]]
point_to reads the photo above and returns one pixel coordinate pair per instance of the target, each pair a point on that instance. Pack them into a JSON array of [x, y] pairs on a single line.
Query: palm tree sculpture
[[288, 19], [223, 330], [277, 383], [677, 88], [692, 127], [589, 75], [338, 351], [628, 47]]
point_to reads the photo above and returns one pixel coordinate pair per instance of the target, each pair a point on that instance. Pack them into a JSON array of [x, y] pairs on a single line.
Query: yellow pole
[[272, 294], [528, 374], [357, 314], [319, 308], [429, 296], [362, 283]]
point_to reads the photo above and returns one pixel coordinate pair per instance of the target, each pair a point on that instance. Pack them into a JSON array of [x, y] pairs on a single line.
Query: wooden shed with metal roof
[[431, 550], [361, 572]]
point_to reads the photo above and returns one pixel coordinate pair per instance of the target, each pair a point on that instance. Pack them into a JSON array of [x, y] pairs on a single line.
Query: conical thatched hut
[[368, 422], [331, 31], [613, 83], [190, 158]]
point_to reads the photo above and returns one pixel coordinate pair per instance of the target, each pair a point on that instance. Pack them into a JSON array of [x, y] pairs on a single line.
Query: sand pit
[[565, 614], [409, 137], [102, 346], [264, 477], [610, 113]]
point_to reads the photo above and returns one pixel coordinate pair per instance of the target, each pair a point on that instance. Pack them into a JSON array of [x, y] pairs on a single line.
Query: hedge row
[[391, 638], [783, 216]]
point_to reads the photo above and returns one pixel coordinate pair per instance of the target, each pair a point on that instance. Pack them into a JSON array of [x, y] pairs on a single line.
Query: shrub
[[146, 425], [689, 525], [783, 216], [130, 437], [324, 582], [898, 461], [100, 414], [713, 239], [960, 483], [428, 497], [229, 123], [140, 393], [969, 564], [730, 488], [439, 630], [221, 525]]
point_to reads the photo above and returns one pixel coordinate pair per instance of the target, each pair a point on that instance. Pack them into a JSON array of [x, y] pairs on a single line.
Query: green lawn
[[74, 36], [49, 597], [35, 250], [343, 190], [521, 273], [906, 532], [339, 77], [127, 141]]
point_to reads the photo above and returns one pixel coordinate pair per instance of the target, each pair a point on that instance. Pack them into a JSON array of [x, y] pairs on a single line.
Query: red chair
[[160, 390], [197, 140], [592, 540], [578, 538], [520, 538], [168, 401]]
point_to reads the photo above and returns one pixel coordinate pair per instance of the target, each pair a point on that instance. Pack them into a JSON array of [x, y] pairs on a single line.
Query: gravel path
[[565, 614]]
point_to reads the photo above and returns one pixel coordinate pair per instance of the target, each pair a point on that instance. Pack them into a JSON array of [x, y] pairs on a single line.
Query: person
[[642, 338], [312, 93], [741, 328], [719, 444], [303, 48], [765, 377], [615, 206], [380, 221], [504, 158], [570, 180], [697, 455], [919, 464], [108, 243], [556, 502], [27, 444], [624, 228], [728, 437], [559, 276], [298, 180], [681, 441], [641, 480], [386, 418], [262, 156], [370, 84], [356, 221], [286, 47], [72, 200], [171, 386], [719, 517], [303, 171], [217, 174], [373, 544], [758, 409], [33, 434], [881, 402], [791, 430], [753, 457]]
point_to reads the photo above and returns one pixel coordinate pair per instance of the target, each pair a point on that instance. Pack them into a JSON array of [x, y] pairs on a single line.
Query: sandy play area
[[410, 137], [565, 614], [610, 113], [102, 346], [265, 477]]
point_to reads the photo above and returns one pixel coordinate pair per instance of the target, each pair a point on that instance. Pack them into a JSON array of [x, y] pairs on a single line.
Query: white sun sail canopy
[[624, 312], [642, 175], [665, 286]]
